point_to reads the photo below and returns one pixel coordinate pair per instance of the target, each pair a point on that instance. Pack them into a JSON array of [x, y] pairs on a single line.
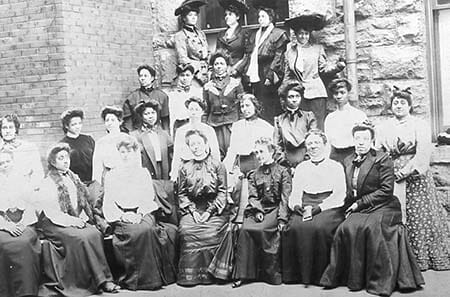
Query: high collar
[[267, 168], [147, 90], [147, 128], [317, 162], [190, 28]]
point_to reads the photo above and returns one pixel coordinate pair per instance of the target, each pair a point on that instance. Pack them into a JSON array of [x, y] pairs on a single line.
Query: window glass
[[443, 27]]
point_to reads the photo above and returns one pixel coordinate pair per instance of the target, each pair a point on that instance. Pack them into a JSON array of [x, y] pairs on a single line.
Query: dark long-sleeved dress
[[370, 249], [81, 154], [74, 261], [270, 66], [235, 46], [258, 246], [201, 187]]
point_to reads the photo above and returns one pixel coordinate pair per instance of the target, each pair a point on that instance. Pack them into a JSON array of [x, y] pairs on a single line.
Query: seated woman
[[258, 246], [20, 247], [244, 133], [221, 97], [181, 151], [81, 145], [27, 159], [318, 193], [370, 248], [75, 262], [408, 140], [202, 198], [156, 144], [292, 125], [106, 156], [140, 244]]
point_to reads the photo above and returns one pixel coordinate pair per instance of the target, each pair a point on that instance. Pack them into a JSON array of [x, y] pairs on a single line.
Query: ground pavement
[[437, 284]]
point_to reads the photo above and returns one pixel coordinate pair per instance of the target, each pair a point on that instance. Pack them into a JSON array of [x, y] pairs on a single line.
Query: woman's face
[[126, 154], [195, 110], [263, 154], [231, 18], [315, 146], [6, 162], [62, 161], [8, 130], [185, 78], [191, 18], [341, 96], [363, 141], [247, 108], [112, 122], [302, 36], [293, 99], [75, 125], [220, 66], [197, 145], [264, 18], [150, 116], [400, 107], [146, 78]]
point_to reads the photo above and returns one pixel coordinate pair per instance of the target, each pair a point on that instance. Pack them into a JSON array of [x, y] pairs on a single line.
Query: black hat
[[189, 5], [309, 22], [237, 4], [264, 4]]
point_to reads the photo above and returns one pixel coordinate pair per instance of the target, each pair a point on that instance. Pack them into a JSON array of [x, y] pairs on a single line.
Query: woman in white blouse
[[318, 193]]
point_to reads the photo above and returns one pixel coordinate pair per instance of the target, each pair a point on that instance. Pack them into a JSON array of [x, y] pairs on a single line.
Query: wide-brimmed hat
[[309, 22], [189, 5], [237, 4], [264, 4]]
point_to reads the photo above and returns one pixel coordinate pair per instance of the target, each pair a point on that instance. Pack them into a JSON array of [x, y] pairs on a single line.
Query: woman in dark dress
[[233, 40], [156, 144], [19, 243], [258, 248], [202, 200], [81, 145], [264, 59], [316, 200], [142, 247], [292, 125], [74, 259], [221, 96], [370, 248]]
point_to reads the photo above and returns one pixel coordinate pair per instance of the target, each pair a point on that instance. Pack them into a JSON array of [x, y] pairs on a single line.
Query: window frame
[[434, 66]]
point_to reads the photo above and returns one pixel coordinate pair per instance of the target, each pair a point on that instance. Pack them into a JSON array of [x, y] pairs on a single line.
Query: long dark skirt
[[258, 250], [371, 251], [146, 252], [74, 260], [268, 96], [318, 106], [306, 246], [223, 133], [198, 246], [20, 266]]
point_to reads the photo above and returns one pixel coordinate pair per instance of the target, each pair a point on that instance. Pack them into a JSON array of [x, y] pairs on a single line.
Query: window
[[438, 12], [211, 15]]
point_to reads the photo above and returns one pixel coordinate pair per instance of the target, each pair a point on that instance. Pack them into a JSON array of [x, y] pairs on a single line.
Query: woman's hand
[[281, 226], [197, 217], [298, 210], [351, 209], [259, 217], [78, 223], [14, 229], [205, 217], [267, 82]]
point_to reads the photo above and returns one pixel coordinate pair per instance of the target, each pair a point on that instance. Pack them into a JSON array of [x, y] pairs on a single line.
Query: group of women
[[261, 192]]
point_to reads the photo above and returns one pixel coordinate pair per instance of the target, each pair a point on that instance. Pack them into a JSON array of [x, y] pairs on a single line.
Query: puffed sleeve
[[286, 188], [421, 160]]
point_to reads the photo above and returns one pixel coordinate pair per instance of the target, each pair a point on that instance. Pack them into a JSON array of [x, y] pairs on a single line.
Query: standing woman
[[156, 145], [234, 39], [27, 158], [141, 245], [20, 247], [264, 59], [81, 145], [408, 140], [191, 45], [370, 249], [318, 193], [75, 261], [258, 248], [305, 62], [106, 156], [221, 96], [292, 125], [202, 197]]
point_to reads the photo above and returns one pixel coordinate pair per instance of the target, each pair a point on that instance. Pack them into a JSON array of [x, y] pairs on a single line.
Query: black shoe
[[236, 284]]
